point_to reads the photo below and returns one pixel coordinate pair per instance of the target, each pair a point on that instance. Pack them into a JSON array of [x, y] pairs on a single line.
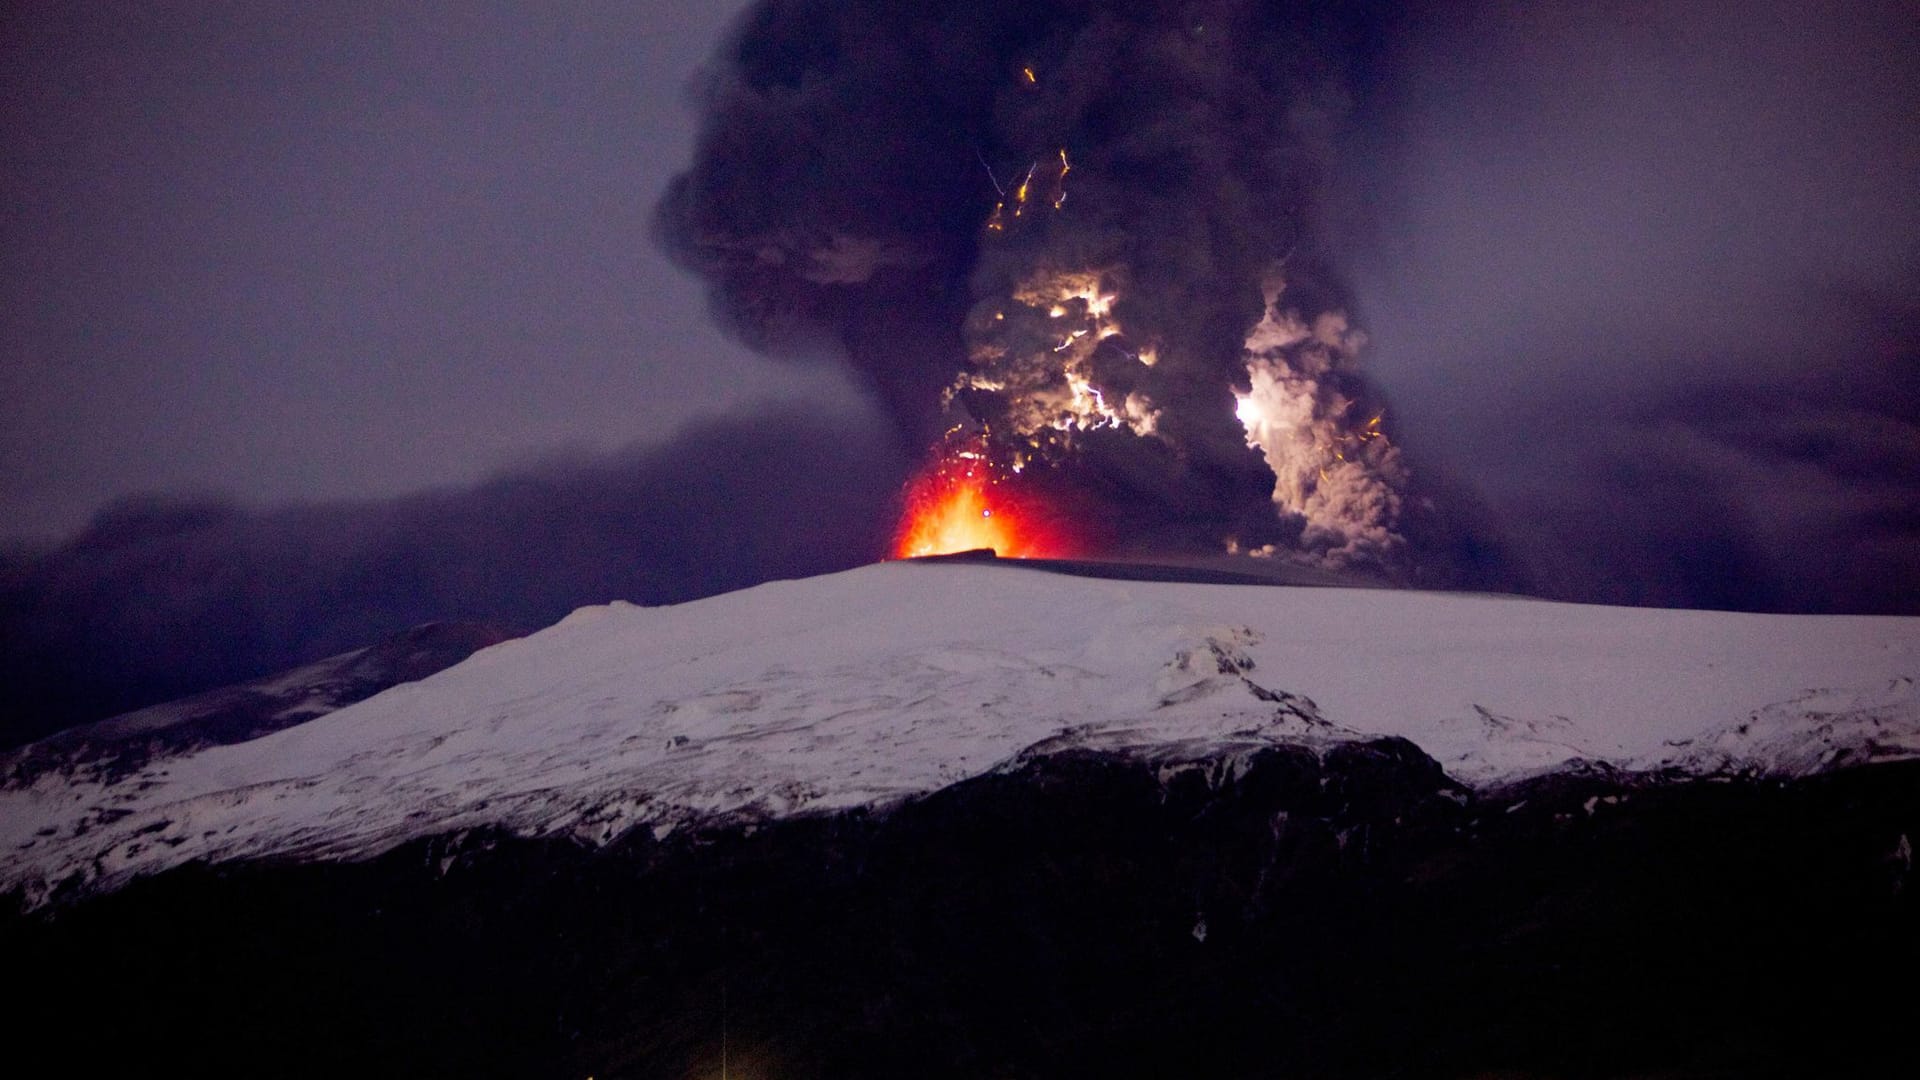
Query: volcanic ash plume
[[1075, 245], [1332, 464]]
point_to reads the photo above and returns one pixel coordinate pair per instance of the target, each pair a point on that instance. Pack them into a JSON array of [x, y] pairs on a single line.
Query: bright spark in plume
[[1247, 410]]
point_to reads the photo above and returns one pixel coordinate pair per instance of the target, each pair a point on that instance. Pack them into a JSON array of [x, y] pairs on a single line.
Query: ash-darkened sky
[[288, 251], [318, 320]]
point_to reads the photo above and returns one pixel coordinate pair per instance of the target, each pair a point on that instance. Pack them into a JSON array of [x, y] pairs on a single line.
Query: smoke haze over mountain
[[1634, 287]]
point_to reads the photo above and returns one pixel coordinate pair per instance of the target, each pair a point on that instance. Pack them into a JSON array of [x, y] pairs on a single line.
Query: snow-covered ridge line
[[109, 749], [865, 688]]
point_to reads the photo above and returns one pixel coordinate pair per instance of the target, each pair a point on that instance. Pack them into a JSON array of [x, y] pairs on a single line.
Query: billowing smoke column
[[1075, 243]]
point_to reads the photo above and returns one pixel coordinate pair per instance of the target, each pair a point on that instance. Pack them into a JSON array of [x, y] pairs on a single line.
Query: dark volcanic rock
[[1347, 913]]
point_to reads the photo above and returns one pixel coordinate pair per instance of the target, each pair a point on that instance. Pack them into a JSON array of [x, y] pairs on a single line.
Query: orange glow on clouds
[[959, 504]]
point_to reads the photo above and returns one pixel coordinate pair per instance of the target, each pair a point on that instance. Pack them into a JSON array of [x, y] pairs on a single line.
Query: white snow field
[[866, 687]]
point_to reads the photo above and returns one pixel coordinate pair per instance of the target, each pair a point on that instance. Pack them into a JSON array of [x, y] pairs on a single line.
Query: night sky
[[317, 321], [286, 251]]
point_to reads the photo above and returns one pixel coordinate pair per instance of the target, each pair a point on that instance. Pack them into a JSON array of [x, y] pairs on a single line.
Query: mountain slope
[[873, 686], [110, 749]]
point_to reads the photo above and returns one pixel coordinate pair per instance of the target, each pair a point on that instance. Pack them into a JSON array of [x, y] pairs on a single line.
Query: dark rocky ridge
[[1345, 913]]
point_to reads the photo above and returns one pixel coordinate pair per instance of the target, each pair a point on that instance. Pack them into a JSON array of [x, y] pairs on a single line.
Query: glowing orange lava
[[959, 504]]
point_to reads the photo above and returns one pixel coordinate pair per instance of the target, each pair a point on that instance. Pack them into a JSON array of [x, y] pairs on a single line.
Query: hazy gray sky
[[295, 251]]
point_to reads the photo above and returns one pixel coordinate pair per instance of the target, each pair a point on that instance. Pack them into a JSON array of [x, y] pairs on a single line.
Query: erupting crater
[[960, 502]]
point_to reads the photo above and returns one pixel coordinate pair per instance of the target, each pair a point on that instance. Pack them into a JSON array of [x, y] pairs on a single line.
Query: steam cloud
[[1089, 231]]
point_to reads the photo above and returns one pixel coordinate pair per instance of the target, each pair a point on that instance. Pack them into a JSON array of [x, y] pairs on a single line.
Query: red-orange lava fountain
[[961, 503]]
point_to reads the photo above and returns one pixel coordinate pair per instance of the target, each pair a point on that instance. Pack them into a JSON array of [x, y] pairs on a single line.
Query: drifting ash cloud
[[1797, 493], [1647, 275], [1076, 246], [162, 597]]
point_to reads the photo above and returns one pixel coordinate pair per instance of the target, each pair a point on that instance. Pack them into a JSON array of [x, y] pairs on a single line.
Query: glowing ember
[[959, 504], [1020, 193]]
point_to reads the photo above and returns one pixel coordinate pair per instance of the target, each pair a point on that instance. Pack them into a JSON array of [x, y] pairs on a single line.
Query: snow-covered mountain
[[966, 819], [869, 687]]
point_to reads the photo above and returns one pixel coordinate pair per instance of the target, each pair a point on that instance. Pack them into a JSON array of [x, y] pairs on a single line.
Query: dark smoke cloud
[[1600, 250], [161, 597], [911, 184]]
